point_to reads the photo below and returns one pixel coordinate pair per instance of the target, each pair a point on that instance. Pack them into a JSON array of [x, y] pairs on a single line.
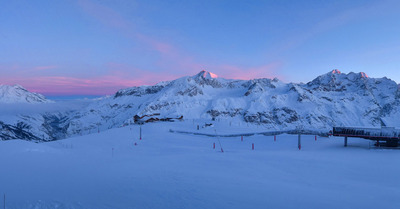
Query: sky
[[96, 47]]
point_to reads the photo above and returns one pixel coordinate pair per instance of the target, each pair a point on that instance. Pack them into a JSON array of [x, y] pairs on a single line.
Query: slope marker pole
[[299, 142], [140, 132]]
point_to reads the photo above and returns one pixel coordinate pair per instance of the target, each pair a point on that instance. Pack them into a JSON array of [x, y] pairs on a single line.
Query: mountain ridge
[[331, 99]]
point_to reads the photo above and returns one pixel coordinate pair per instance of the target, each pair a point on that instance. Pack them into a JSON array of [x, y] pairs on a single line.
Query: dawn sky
[[95, 47]]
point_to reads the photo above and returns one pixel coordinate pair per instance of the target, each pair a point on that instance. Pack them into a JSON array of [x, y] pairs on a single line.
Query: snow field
[[168, 170]]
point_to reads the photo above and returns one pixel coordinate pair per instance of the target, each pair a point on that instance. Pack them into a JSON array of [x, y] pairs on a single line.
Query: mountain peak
[[363, 75], [335, 71], [18, 94], [206, 75]]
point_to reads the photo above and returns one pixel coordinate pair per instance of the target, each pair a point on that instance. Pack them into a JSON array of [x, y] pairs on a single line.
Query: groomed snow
[[168, 170]]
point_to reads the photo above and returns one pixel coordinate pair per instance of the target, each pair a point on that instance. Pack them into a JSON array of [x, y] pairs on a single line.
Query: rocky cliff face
[[332, 99]]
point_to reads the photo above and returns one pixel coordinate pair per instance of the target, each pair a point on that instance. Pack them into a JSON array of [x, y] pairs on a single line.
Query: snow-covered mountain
[[18, 94], [332, 99]]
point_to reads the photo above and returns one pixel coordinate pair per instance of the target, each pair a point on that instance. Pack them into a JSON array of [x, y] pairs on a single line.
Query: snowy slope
[[332, 99], [165, 170], [18, 94]]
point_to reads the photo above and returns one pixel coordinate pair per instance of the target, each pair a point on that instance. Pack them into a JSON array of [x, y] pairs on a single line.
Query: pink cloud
[[119, 76], [59, 85]]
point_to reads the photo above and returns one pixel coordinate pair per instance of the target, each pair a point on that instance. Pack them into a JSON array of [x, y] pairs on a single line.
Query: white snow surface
[[171, 171]]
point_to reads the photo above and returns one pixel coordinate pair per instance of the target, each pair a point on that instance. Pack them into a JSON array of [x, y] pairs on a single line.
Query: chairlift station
[[385, 136]]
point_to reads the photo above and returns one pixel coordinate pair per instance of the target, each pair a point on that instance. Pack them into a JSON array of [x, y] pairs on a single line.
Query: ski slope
[[167, 170]]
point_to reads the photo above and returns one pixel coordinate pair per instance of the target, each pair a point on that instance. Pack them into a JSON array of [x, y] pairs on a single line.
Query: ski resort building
[[388, 135]]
